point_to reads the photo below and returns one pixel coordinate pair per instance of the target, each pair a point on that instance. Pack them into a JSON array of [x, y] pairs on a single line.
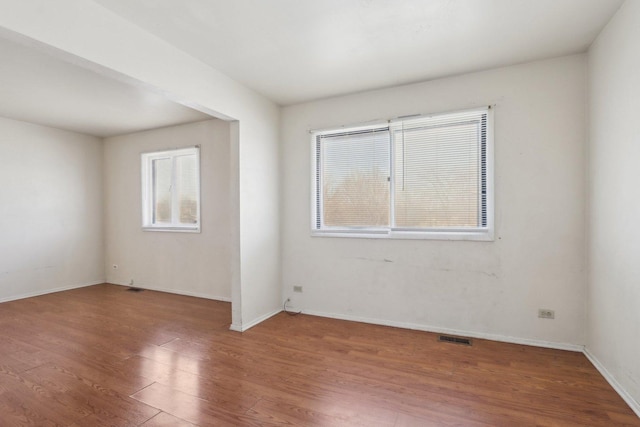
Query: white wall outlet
[[131, 282], [297, 288], [545, 313]]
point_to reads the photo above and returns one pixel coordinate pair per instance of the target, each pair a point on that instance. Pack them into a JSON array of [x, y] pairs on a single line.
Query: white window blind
[[419, 175], [355, 179], [438, 171]]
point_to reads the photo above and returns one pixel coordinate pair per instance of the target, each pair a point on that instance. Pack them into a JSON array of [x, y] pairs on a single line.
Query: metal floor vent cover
[[135, 290], [454, 340]]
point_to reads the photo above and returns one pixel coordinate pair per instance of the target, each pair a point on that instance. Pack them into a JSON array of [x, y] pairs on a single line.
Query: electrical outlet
[[297, 289], [131, 282], [545, 313], [115, 266]]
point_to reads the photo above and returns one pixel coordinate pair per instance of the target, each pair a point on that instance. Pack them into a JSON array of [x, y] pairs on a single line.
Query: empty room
[[319, 213]]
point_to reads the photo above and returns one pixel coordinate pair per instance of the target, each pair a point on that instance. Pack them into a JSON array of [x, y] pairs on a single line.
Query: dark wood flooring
[[105, 356]]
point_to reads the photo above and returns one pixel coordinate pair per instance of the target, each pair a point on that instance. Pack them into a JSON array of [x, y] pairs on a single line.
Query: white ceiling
[[298, 50], [38, 88]]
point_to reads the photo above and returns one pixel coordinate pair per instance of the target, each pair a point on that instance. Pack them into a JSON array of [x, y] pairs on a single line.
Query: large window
[[423, 177], [171, 190]]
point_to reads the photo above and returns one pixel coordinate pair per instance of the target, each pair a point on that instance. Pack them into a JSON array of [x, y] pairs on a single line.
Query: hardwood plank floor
[[105, 356]]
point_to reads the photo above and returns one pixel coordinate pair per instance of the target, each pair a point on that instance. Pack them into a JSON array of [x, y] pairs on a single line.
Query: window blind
[[353, 179], [439, 177]]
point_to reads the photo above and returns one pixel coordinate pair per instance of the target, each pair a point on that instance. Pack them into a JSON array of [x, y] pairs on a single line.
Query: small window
[[171, 190], [424, 177]]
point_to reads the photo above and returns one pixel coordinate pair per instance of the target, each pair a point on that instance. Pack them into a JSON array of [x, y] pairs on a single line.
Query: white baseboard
[[440, 330], [49, 291], [633, 404], [246, 326], [174, 291]]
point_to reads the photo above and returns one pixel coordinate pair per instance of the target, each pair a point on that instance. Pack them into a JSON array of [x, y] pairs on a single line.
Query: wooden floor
[[106, 356]]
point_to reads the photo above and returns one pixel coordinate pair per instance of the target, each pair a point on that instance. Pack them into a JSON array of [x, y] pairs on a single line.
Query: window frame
[[473, 234], [147, 159]]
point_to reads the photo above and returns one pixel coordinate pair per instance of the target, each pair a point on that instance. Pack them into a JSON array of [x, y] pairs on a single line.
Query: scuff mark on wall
[[372, 259]]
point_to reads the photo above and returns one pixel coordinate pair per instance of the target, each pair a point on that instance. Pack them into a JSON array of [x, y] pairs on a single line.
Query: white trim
[[50, 291], [633, 404], [478, 236], [173, 291], [247, 326], [436, 329], [172, 229]]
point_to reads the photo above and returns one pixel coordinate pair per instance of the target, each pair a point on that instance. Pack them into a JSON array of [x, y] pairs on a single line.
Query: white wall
[[50, 210], [195, 264], [92, 36], [614, 205], [489, 289]]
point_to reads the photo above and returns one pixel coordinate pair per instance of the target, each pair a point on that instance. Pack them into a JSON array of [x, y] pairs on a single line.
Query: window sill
[[478, 236], [173, 229]]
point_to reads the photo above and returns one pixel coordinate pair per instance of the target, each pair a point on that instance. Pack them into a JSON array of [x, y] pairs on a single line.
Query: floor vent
[[454, 340], [135, 290]]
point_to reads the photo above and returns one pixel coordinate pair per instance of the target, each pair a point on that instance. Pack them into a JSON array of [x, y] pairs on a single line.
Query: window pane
[[355, 179], [416, 176], [187, 189], [171, 190], [162, 190], [437, 172]]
